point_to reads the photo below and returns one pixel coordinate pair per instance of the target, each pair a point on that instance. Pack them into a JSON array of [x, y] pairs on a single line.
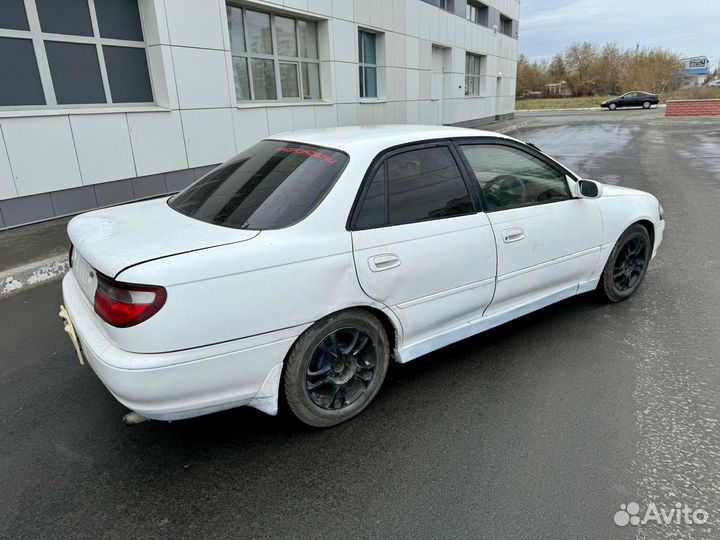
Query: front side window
[[417, 185], [474, 70], [75, 52], [271, 185], [367, 60], [274, 57], [510, 177]]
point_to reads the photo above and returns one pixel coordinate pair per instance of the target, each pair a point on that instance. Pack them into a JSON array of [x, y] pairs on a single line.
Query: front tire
[[627, 265], [646, 105], [336, 368], [612, 106]]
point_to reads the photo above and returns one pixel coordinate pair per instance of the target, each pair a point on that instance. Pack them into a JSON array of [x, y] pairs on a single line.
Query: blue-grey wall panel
[[177, 180], [147, 186], [27, 209], [72, 201], [111, 193]]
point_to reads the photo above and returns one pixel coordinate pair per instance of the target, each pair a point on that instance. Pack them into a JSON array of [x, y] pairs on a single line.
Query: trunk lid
[[112, 239]]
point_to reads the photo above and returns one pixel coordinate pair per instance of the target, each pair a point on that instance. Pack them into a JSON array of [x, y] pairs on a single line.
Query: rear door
[[420, 245], [547, 241]]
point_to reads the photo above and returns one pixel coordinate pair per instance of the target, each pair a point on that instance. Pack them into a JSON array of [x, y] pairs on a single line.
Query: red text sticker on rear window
[[309, 153]]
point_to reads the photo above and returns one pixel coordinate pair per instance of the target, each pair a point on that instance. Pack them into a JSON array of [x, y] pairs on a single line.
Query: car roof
[[379, 137]]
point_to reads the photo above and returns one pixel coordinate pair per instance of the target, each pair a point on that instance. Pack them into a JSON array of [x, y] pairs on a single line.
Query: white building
[[106, 101]]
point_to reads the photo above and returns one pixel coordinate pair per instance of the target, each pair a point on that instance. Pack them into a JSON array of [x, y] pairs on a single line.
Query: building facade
[[108, 101], [694, 71]]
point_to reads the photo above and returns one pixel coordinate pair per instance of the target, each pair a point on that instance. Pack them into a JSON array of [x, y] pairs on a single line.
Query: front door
[[437, 83], [420, 246], [547, 241]]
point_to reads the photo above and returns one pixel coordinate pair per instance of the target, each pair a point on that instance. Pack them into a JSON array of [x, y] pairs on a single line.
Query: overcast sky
[[689, 27]]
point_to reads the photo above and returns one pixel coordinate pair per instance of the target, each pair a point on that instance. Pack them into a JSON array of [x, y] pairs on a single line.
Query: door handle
[[378, 263], [513, 235]]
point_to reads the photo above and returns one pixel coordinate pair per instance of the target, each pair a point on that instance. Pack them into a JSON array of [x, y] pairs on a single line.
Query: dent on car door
[[547, 241], [420, 246]]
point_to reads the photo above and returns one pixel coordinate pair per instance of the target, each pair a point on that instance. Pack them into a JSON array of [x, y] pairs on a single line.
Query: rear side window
[[271, 185], [417, 185]]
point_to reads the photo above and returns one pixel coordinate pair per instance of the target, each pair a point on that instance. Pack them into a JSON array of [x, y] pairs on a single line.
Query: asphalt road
[[539, 429]]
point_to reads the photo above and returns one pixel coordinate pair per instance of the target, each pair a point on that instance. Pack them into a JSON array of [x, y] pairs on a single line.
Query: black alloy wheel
[[336, 367], [627, 264]]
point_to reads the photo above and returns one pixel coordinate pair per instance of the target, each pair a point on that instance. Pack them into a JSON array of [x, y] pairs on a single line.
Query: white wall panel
[[303, 117], [157, 142], [326, 116], [251, 125], [195, 23], [343, 9], [7, 183], [344, 41], [41, 154], [202, 78], [279, 119], [102, 143], [209, 136]]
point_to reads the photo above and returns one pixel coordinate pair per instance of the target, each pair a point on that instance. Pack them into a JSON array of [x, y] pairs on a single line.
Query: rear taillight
[[127, 304]]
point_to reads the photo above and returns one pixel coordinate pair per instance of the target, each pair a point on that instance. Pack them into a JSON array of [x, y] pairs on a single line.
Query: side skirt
[[476, 326]]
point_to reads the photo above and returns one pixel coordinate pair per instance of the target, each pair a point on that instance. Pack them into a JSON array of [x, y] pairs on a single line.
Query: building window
[[367, 53], [274, 57], [447, 5], [477, 12], [474, 72], [72, 52], [506, 25]]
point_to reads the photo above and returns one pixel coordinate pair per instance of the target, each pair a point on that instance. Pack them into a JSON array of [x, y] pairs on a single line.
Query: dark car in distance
[[632, 99]]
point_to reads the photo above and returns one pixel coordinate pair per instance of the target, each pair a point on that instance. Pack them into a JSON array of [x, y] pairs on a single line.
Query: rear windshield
[[271, 185]]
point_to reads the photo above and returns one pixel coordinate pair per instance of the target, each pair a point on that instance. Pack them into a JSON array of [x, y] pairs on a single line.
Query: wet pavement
[[541, 428]]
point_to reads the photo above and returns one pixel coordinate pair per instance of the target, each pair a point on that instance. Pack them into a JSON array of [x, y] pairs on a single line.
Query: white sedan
[[303, 265]]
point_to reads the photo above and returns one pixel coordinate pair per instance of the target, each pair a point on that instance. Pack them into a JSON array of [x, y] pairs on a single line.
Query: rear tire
[[336, 368], [627, 265], [646, 105], [612, 106]]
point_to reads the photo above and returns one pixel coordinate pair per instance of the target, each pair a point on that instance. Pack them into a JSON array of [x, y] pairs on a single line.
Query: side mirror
[[589, 189]]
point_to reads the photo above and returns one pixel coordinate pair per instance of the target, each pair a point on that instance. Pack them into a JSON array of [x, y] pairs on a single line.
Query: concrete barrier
[[693, 107]]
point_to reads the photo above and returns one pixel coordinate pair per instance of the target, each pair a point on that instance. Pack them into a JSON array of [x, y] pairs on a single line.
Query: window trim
[[380, 160], [38, 38], [276, 57], [540, 156]]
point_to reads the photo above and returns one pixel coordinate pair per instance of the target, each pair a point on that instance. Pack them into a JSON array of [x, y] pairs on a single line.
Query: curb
[[29, 275], [511, 127], [598, 108]]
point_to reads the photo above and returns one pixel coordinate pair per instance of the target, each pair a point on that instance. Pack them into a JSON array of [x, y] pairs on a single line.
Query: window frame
[[380, 160], [532, 152], [504, 20], [38, 39], [477, 77], [447, 5], [362, 65], [276, 57], [481, 9]]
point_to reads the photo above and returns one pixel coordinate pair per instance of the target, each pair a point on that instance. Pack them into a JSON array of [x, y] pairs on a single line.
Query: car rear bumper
[[187, 383]]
